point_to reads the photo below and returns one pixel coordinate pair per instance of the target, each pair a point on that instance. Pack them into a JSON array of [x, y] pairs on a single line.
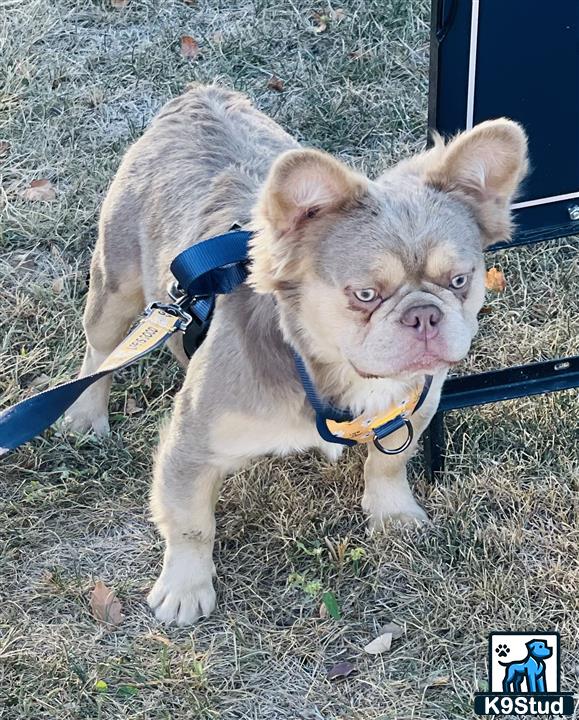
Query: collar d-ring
[[396, 451]]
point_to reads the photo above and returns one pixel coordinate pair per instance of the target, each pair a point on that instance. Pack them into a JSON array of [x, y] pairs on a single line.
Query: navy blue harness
[[212, 267]]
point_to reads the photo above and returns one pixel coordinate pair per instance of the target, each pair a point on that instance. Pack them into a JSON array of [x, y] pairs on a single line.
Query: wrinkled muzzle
[[420, 334]]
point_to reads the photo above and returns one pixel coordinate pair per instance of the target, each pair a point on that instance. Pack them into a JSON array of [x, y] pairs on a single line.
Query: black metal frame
[[507, 383], [495, 386]]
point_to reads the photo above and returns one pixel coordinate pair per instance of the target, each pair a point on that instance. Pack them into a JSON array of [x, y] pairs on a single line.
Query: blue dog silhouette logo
[[530, 669]]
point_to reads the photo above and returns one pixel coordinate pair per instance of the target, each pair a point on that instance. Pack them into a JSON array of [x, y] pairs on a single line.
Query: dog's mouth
[[366, 375], [426, 363]]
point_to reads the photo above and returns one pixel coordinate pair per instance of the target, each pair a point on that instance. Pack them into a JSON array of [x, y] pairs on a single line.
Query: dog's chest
[[241, 436]]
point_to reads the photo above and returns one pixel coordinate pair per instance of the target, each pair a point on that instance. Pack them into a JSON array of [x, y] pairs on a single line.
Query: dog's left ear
[[303, 188], [484, 166]]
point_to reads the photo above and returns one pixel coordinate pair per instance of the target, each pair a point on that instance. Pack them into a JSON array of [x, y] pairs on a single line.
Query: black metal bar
[[513, 382], [533, 237], [434, 446], [435, 24]]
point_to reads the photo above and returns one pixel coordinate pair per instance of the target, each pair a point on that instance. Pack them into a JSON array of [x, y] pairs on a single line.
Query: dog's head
[[387, 277], [539, 649]]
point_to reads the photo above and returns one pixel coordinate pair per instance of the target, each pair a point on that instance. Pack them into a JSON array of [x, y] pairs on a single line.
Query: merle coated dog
[[376, 283]]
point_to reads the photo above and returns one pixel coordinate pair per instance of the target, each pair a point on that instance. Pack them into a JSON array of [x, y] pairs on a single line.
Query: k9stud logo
[[524, 673]]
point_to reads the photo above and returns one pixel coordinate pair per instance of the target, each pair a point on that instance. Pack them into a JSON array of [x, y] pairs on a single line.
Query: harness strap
[[212, 267], [320, 406], [324, 411]]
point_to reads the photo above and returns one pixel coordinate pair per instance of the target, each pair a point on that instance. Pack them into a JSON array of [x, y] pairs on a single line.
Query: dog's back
[[193, 173]]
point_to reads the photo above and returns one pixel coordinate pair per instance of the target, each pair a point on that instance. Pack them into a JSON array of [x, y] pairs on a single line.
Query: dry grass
[[80, 81]]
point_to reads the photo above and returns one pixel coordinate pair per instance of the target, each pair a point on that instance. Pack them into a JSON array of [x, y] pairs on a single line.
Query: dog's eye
[[366, 295], [458, 282]]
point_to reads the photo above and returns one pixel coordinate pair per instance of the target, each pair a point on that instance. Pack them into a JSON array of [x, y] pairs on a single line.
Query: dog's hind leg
[[115, 299]]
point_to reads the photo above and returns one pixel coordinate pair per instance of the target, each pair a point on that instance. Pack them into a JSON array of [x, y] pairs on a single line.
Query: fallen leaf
[[39, 190], [337, 15], [340, 670], [356, 54], [495, 280], [329, 600], [131, 407], [57, 285], [105, 605], [119, 4], [439, 681], [217, 37], [380, 644], [190, 47], [127, 690], [275, 83], [101, 686], [160, 638], [396, 630], [323, 612], [47, 577], [321, 22], [486, 310], [4, 149]]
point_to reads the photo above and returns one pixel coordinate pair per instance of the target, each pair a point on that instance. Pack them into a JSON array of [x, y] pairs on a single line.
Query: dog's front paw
[[83, 416], [395, 509], [184, 591], [80, 423]]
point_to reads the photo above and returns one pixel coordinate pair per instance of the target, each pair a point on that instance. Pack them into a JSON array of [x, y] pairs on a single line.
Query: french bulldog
[[376, 283]]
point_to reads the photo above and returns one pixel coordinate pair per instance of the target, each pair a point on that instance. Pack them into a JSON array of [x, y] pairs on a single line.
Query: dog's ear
[[484, 166], [303, 189]]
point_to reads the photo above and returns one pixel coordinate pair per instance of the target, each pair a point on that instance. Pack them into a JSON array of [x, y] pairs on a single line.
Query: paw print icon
[[502, 650]]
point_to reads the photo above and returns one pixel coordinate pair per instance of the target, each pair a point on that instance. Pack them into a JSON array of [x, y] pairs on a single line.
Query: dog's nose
[[425, 320]]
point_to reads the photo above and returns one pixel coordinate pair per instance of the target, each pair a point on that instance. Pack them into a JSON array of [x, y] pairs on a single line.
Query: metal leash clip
[[178, 308], [198, 323]]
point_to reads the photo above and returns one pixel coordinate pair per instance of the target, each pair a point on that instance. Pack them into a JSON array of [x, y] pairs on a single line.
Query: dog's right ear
[[302, 189]]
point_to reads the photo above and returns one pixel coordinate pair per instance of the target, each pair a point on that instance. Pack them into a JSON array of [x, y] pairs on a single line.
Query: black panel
[[527, 69]]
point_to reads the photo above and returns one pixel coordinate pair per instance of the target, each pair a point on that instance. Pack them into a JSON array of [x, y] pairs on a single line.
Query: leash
[[28, 418], [212, 267]]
